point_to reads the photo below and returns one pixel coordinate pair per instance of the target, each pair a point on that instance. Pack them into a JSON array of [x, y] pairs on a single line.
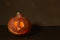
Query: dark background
[[43, 14]]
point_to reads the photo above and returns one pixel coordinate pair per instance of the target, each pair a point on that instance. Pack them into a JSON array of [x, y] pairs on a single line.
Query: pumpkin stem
[[19, 14]]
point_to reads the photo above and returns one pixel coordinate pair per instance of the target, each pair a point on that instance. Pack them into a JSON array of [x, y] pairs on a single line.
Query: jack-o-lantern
[[19, 25]]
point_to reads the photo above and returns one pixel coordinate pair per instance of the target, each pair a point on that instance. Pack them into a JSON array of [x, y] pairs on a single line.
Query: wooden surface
[[37, 33]]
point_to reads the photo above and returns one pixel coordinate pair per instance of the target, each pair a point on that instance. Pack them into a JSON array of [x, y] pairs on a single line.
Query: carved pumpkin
[[19, 25]]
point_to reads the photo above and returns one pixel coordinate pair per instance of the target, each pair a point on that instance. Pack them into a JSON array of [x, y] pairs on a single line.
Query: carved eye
[[22, 24], [15, 23]]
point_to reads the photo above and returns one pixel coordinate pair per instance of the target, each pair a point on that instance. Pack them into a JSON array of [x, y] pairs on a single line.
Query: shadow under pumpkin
[[5, 32]]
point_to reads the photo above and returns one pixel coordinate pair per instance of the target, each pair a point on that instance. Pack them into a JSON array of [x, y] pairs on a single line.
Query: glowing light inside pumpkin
[[21, 24], [15, 23], [18, 28]]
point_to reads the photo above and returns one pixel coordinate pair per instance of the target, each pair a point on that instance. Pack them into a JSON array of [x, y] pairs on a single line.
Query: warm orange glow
[[18, 28], [21, 24], [15, 23], [13, 31]]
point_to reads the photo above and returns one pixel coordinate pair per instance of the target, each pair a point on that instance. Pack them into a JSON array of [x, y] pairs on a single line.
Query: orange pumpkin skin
[[19, 25]]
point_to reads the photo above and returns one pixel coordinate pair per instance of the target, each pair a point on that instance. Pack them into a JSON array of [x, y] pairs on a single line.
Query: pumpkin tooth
[[18, 28]]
